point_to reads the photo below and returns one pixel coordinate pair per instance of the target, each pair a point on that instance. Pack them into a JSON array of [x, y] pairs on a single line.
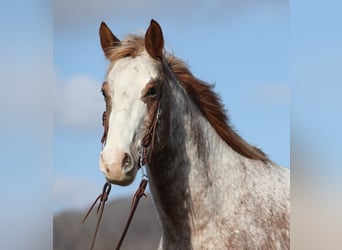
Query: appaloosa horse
[[211, 189]]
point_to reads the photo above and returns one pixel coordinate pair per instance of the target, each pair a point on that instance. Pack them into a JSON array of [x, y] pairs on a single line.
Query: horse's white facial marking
[[127, 80]]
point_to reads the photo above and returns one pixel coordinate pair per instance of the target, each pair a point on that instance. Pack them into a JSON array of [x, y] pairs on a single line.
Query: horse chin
[[125, 180]]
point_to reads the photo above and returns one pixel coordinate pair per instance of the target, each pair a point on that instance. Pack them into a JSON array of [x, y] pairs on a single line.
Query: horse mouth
[[120, 171], [121, 182], [124, 179]]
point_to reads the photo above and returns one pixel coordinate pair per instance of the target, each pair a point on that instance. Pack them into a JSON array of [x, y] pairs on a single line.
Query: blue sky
[[242, 47], [50, 55]]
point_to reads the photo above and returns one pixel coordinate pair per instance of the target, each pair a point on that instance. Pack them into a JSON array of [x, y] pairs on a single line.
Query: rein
[[145, 159]]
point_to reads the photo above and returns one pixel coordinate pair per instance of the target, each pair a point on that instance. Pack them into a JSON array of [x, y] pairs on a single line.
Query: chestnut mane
[[201, 93]]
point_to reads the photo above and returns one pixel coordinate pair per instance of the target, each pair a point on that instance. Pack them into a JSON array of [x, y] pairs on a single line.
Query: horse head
[[133, 93]]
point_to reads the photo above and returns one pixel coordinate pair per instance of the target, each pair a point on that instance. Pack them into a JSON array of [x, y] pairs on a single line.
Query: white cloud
[[275, 94], [73, 193], [78, 103]]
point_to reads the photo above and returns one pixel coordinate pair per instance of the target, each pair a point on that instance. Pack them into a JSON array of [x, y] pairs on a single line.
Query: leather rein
[[145, 159]]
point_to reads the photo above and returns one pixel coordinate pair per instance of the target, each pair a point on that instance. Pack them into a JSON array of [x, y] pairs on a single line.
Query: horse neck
[[182, 174], [200, 184]]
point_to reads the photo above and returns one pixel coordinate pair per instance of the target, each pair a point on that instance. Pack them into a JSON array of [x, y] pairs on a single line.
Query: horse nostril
[[126, 161]]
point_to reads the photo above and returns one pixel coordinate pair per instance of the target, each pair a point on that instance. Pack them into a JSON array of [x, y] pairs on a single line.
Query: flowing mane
[[209, 103], [201, 93]]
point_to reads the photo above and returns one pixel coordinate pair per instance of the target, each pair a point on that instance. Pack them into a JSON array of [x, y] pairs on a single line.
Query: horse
[[210, 188]]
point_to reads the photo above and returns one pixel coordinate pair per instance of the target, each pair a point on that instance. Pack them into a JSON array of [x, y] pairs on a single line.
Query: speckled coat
[[211, 189]]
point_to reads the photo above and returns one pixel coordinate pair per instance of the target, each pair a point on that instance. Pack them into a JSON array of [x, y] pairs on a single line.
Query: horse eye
[[152, 91]]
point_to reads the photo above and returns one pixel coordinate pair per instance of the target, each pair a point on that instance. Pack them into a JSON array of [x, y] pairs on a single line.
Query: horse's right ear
[[154, 41], [108, 40]]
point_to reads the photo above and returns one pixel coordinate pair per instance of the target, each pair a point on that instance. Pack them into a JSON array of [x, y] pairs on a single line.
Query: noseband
[[148, 143]]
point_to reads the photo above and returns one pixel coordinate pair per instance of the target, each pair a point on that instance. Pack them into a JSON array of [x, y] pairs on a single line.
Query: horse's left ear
[[154, 41]]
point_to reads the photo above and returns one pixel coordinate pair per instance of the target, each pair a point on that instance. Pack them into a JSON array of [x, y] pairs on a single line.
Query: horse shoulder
[[259, 214]]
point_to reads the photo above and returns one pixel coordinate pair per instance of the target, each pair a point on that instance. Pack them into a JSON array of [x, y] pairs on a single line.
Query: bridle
[[148, 143]]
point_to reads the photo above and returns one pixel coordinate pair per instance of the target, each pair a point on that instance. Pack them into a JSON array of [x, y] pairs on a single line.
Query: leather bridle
[[148, 143]]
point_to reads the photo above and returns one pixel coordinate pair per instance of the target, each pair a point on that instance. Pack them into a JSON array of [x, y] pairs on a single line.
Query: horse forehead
[[132, 73]]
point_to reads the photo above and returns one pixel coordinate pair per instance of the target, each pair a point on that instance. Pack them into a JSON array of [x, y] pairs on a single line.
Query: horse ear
[[107, 39], [154, 41]]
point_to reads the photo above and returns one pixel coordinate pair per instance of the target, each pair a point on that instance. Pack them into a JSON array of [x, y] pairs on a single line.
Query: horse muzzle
[[119, 169]]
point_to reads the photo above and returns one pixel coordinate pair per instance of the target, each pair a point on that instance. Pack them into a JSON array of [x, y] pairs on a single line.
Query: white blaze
[[127, 78]]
